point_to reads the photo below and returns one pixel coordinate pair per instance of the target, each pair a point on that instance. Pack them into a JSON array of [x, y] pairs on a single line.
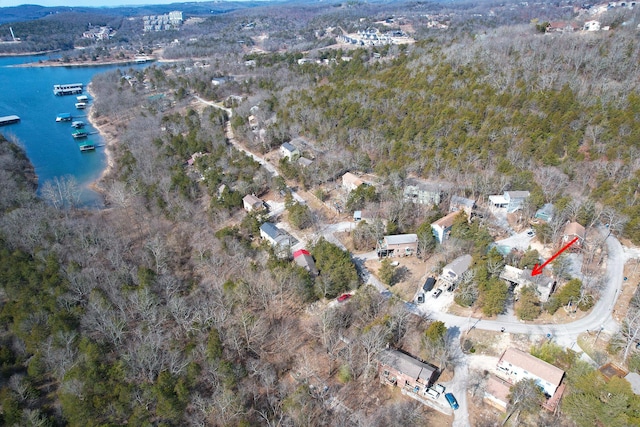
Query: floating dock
[[78, 124], [81, 105], [63, 117], [9, 120], [86, 146], [79, 133], [68, 89], [82, 98]]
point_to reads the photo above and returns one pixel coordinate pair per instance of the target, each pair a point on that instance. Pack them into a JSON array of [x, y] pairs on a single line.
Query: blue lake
[[28, 93]]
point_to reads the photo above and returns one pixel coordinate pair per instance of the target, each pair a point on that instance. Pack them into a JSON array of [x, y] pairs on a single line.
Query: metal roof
[[401, 239]]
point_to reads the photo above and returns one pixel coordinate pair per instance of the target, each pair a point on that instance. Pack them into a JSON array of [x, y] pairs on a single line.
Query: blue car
[[452, 400]]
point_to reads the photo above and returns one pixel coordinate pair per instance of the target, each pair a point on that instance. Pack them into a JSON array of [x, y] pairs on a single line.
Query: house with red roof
[[303, 258]]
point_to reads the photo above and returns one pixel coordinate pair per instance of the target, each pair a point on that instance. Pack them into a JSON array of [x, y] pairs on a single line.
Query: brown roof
[[533, 365], [251, 199], [498, 388], [447, 221], [574, 229]]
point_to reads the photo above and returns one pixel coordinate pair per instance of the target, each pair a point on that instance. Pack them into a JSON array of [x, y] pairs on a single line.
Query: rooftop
[[407, 365], [574, 229], [463, 201], [533, 365], [447, 221], [401, 239]]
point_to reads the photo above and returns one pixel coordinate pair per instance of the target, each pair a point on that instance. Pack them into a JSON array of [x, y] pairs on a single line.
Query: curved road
[[566, 334]]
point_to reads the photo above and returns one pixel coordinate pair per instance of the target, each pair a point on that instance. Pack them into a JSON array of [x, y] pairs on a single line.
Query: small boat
[[82, 98], [81, 105], [78, 124], [86, 146], [63, 117], [79, 133]]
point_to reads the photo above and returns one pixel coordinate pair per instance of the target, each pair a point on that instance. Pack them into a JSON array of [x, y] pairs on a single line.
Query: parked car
[[344, 297], [431, 393], [531, 233], [428, 285], [420, 298], [452, 400], [437, 293]]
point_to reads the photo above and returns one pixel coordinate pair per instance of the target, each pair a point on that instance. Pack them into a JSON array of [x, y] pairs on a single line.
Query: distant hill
[[32, 12]]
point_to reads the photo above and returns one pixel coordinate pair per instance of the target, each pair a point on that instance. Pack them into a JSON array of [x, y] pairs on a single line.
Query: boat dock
[[82, 98], [68, 89], [81, 105], [79, 133], [9, 120], [78, 124], [86, 146], [63, 117]]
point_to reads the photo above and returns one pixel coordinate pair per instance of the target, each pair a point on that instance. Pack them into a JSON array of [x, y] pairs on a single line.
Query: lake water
[[28, 93]]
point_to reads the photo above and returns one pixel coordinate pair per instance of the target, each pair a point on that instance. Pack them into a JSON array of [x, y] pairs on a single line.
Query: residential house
[[459, 203], [421, 192], [303, 258], [252, 203], [400, 369], [562, 27], [496, 393], [350, 181], [289, 151], [591, 26], [515, 365], [543, 285], [452, 272], [442, 227], [274, 235], [545, 213], [304, 162], [398, 245], [510, 200], [573, 230]]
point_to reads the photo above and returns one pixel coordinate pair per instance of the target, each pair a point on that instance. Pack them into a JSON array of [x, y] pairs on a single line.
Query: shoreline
[[81, 64], [109, 143]]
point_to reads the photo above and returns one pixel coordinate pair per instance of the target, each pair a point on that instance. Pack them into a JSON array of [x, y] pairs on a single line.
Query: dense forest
[[166, 308]]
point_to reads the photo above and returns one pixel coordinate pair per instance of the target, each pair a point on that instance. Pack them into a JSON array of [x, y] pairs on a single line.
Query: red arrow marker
[[537, 269]]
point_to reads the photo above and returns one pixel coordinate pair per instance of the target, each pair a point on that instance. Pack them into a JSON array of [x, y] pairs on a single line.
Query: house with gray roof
[[510, 200], [400, 369], [289, 151], [397, 245], [274, 235]]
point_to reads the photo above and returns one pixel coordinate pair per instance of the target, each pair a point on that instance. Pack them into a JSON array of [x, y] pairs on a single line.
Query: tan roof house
[[515, 365], [350, 181], [496, 393], [252, 203], [442, 227], [573, 230]]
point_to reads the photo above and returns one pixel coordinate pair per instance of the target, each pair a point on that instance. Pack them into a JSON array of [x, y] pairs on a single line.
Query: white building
[[516, 365]]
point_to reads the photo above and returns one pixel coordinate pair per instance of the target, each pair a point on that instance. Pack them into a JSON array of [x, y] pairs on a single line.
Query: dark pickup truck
[[428, 285]]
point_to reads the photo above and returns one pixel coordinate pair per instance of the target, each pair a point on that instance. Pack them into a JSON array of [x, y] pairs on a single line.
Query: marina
[[68, 89], [63, 117], [9, 120]]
